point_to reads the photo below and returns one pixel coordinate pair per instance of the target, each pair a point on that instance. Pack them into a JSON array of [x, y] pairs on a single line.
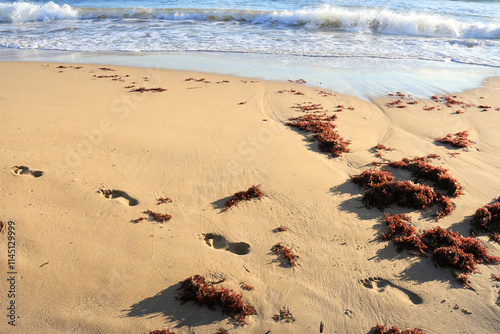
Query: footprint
[[379, 284], [219, 242], [239, 248], [23, 170], [216, 241], [110, 194]]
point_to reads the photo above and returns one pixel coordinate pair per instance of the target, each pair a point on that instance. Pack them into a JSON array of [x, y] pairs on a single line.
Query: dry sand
[[83, 267]]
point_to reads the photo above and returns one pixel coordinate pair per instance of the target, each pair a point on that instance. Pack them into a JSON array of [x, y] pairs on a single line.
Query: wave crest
[[363, 20], [388, 22], [25, 12]]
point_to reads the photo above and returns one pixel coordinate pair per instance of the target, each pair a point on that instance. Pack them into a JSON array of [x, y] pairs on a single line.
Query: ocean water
[[357, 45]]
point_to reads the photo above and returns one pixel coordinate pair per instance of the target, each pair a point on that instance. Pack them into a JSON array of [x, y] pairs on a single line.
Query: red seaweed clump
[[410, 243], [331, 142], [460, 140], [158, 217], [438, 237], [280, 229], [308, 107], [403, 193], [462, 278], [420, 168], [252, 192], [372, 177], [144, 89], [446, 205], [487, 219], [287, 252], [204, 293], [455, 258], [197, 80], [383, 329], [434, 156], [398, 225], [163, 200], [154, 216], [448, 248], [284, 315], [323, 131], [382, 190], [313, 123], [161, 331], [381, 147], [403, 234]]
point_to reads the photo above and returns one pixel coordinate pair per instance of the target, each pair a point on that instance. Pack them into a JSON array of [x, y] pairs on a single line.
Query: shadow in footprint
[[239, 248], [23, 170], [380, 284], [217, 241], [111, 194]]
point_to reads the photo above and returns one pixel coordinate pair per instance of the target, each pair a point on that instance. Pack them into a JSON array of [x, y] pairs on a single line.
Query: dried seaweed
[[460, 139], [455, 258], [382, 190], [403, 234], [204, 293], [381, 147], [284, 315], [135, 221], [280, 229], [448, 248], [143, 89], [158, 217], [287, 252], [420, 168], [372, 177], [252, 192], [462, 278], [163, 200], [323, 131], [383, 329], [308, 107], [487, 219], [403, 193]]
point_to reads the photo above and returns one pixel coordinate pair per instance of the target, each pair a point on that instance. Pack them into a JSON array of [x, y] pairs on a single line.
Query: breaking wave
[[363, 20]]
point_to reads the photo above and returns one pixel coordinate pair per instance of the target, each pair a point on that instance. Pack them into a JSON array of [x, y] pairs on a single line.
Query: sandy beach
[[83, 155]]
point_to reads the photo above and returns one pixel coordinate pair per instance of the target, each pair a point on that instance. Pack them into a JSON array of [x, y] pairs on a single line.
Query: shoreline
[[98, 155], [364, 77]]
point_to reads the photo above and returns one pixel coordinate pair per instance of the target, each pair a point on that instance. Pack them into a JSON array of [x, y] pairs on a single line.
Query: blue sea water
[[358, 47]]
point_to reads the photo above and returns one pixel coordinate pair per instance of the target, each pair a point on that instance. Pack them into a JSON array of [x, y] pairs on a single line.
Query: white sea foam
[[364, 20], [386, 22], [25, 12]]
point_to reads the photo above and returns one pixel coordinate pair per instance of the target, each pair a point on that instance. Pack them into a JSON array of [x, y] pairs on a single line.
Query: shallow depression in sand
[[217, 241]]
